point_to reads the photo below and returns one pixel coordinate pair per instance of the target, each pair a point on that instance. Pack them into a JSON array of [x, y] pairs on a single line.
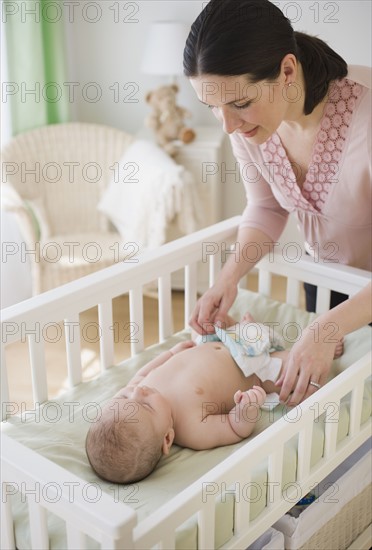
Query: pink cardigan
[[333, 209]]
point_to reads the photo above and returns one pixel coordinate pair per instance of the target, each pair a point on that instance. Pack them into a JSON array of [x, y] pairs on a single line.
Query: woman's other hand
[[309, 362]]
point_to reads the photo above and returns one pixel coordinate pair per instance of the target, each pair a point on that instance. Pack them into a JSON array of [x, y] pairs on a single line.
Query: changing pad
[[59, 434]]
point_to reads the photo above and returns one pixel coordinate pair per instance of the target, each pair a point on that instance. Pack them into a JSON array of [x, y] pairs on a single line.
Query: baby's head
[[134, 430]]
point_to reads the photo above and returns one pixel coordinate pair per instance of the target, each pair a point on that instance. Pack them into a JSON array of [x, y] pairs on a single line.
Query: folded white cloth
[[147, 192]]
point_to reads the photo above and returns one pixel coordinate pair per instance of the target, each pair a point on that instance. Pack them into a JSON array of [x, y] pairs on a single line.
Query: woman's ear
[[289, 67], [167, 441]]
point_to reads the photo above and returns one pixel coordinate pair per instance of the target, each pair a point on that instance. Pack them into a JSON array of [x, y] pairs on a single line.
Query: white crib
[[115, 524]]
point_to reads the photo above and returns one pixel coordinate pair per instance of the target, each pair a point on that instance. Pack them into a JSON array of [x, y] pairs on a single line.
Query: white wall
[[105, 41], [109, 53], [106, 51]]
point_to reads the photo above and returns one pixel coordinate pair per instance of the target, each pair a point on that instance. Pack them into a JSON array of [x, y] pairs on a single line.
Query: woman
[[299, 124]]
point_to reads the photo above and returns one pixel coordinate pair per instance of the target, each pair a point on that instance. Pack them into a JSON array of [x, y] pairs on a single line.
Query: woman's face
[[254, 110]]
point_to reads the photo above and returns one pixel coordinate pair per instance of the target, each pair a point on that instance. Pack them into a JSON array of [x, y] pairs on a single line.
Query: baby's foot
[[248, 318], [339, 349]]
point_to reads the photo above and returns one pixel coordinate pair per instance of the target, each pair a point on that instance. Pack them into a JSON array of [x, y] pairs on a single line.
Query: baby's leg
[[228, 321], [248, 318], [269, 386]]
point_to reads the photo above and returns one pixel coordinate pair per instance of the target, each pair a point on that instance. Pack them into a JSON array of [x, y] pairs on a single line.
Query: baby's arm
[[244, 415], [216, 430], [159, 360]]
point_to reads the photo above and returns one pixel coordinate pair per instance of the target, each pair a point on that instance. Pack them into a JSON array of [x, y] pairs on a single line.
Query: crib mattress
[[58, 432]]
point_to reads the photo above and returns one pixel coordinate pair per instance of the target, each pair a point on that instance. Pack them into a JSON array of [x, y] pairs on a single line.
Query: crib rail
[[347, 280], [112, 524], [30, 320], [46, 486]]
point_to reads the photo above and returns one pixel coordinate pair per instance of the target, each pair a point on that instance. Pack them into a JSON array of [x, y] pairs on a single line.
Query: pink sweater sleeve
[[263, 210]]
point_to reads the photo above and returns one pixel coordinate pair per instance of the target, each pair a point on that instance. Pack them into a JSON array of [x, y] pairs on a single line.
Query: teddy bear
[[167, 119]]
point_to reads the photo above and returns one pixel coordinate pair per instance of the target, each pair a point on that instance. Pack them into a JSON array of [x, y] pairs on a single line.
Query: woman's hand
[[308, 365], [212, 307], [311, 357]]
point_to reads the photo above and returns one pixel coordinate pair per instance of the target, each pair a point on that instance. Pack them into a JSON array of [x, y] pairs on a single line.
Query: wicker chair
[[60, 172]]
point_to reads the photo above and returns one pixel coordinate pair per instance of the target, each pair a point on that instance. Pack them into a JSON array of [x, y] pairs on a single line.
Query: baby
[[196, 396]]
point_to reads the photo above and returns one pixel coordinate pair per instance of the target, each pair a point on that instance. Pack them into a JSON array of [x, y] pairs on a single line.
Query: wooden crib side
[[114, 524], [65, 303]]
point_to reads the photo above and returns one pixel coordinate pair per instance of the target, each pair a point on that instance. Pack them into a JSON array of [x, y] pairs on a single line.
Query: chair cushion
[[86, 249]]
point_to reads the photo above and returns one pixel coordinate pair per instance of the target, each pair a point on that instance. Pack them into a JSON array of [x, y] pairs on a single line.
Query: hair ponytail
[[320, 65]]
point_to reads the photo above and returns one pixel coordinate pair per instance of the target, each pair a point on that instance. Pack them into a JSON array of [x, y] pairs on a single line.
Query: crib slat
[[108, 543], [264, 282], [165, 307], [293, 292], [304, 451], [206, 524], [323, 298], [107, 335], [4, 384], [136, 317], [214, 267], [242, 505], [168, 541], [76, 540], [7, 533], [38, 526], [356, 409], [190, 291], [73, 350], [38, 370], [275, 475], [331, 428]]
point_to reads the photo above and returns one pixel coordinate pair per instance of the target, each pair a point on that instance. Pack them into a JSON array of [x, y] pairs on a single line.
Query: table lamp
[[164, 47]]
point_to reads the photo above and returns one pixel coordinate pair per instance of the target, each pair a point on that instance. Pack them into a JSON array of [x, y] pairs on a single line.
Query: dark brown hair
[[251, 37], [117, 452]]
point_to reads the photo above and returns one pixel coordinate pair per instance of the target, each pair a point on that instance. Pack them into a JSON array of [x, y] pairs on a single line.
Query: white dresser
[[203, 158]]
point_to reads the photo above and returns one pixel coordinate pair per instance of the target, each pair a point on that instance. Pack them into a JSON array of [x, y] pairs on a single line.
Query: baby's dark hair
[[117, 452]]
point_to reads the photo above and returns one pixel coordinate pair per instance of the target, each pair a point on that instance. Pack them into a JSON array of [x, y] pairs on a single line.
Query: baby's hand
[[254, 396], [182, 346]]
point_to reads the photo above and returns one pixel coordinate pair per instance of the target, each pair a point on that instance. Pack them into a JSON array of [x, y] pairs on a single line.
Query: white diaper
[[250, 345]]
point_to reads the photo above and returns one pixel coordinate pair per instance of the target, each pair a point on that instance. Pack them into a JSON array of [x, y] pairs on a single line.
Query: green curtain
[[36, 55]]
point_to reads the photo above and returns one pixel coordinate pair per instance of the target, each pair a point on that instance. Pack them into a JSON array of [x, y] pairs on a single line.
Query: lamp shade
[[164, 48]]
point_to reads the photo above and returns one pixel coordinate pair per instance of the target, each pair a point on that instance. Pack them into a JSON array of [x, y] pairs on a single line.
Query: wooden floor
[[19, 377]]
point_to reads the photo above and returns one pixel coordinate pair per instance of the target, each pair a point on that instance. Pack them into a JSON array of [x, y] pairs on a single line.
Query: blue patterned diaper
[[250, 345]]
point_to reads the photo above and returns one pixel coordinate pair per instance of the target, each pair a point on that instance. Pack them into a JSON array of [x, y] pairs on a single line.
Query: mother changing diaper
[[299, 121]]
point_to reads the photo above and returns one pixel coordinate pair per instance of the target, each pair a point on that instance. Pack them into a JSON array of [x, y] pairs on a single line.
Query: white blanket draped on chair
[[149, 190]]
